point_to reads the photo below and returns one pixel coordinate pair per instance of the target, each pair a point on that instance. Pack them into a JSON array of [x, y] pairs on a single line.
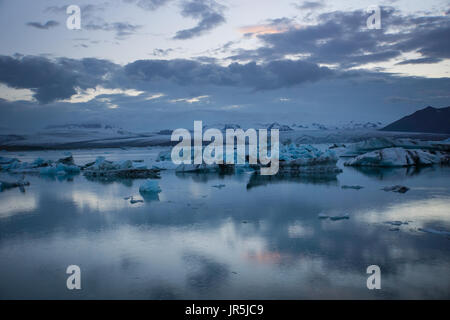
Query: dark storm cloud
[[44, 26], [272, 75], [317, 94], [59, 79], [208, 12], [148, 4], [343, 38], [52, 80]]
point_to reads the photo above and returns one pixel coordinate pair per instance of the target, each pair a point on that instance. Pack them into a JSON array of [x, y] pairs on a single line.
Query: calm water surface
[[257, 237]]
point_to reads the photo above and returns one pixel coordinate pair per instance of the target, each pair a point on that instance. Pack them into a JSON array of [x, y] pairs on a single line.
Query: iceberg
[[396, 223], [399, 157], [397, 188], [306, 158], [341, 217], [126, 164], [165, 155], [324, 216], [68, 159], [119, 169], [133, 201], [48, 171], [16, 166], [150, 186], [6, 160], [59, 169], [352, 187], [373, 144], [11, 165]]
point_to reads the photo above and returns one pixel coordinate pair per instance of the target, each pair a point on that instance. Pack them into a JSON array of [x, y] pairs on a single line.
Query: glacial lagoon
[[231, 236]]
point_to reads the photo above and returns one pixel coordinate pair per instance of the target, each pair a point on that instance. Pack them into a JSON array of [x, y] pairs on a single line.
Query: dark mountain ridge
[[428, 120]]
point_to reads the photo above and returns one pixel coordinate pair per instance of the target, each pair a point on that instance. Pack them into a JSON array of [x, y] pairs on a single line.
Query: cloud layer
[[45, 26], [207, 12], [343, 38]]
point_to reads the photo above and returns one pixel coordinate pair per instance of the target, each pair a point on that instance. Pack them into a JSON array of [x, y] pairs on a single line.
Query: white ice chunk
[[373, 144], [398, 157], [307, 158], [150, 186]]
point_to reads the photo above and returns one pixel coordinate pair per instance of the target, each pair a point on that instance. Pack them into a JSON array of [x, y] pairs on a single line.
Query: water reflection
[[108, 180], [392, 173], [258, 180], [240, 241]]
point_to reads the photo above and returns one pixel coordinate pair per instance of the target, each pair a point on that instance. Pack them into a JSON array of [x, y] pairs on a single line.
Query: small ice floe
[[323, 216], [394, 229], [396, 188], [133, 201], [396, 223], [434, 231], [150, 186], [127, 198], [219, 186], [352, 187], [341, 217], [18, 184]]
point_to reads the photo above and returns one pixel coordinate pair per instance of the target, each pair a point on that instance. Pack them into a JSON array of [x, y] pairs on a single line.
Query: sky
[[147, 65]]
